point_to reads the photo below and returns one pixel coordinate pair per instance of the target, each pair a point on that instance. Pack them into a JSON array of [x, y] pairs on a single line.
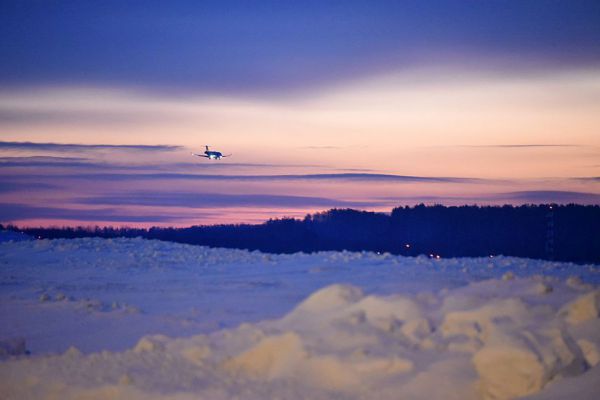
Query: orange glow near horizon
[[517, 132]]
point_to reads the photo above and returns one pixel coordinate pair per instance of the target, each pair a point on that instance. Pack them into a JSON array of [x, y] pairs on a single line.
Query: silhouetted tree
[[523, 231]]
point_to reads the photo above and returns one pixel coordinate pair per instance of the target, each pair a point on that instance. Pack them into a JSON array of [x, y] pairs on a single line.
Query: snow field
[[322, 326]]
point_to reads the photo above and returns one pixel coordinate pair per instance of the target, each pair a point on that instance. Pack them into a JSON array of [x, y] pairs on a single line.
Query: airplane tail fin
[[206, 147]]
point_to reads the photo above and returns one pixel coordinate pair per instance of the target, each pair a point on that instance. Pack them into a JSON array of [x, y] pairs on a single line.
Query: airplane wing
[[228, 155], [199, 155]]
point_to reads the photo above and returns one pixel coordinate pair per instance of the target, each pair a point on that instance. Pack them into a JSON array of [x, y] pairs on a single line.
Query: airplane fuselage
[[211, 155], [214, 155]]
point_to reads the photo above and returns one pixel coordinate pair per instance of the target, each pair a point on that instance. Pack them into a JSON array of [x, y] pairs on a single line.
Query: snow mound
[[583, 308], [514, 364], [512, 342], [330, 299], [273, 357]]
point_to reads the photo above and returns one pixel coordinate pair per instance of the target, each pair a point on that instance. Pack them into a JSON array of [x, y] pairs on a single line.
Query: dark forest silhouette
[[558, 232]]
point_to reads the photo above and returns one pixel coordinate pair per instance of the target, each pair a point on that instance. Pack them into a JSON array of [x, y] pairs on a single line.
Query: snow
[[139, 319], [10, 236]]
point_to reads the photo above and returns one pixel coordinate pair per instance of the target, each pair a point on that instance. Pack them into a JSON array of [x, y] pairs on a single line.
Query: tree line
[[558, 232]]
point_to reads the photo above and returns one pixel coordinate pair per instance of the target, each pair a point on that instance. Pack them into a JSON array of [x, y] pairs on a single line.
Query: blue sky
[[365, 104]]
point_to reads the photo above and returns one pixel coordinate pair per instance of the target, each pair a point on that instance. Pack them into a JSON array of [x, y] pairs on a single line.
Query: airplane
[[212, 155]]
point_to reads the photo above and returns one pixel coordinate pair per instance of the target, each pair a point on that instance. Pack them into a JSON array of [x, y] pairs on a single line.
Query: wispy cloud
[[7, 187], [368, 170], [554, 196], [350, 177], [518, 197], [50, 163], [41, 159], [79, 162], [71, 147], [105, 117], [589, 179], [18, 212], [518, 146], [321, 147], [332, 147], [203, 200], [557, 196]]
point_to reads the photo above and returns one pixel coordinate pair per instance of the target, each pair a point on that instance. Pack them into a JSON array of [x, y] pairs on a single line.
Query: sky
[[321, 104]]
